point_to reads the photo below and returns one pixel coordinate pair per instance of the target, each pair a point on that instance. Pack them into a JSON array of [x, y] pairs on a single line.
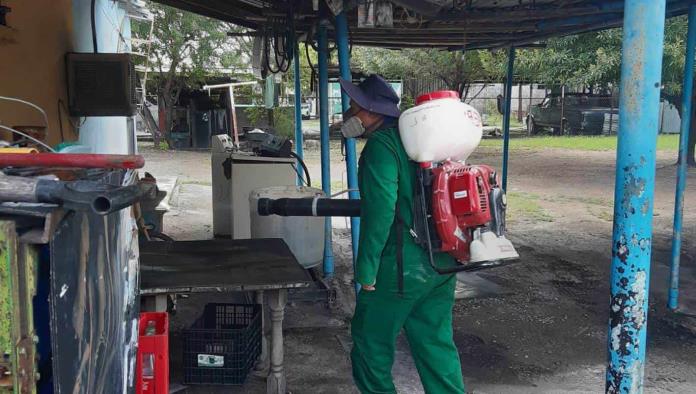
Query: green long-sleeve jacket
[[385, 176]]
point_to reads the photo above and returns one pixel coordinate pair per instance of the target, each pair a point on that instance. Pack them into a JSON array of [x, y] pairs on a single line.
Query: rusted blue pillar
[[323, 58], [641, 72], [343, 45], [299, 137], [506, 114], [687, 96]]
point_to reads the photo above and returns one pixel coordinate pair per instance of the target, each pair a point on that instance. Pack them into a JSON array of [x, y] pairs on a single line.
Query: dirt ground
[[538, 326]]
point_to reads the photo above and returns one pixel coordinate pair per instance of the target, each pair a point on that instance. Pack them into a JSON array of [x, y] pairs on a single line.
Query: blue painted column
[[641, 72], [299, 138], [351, 152], [687, 95], [506, 114], [325, 146]]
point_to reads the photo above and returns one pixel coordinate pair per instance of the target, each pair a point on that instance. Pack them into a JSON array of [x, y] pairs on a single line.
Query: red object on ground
[[71, 160], [152, 366]]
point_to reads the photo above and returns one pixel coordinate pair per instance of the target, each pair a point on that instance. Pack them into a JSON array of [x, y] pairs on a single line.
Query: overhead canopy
[[450, 24]]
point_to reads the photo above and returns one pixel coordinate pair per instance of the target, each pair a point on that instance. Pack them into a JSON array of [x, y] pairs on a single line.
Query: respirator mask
[[353, 127]]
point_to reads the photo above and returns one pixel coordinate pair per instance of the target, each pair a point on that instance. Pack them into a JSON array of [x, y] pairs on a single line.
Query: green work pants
[[427, 321]]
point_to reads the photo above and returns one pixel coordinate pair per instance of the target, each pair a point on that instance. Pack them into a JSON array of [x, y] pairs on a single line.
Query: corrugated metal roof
[[452, 24]]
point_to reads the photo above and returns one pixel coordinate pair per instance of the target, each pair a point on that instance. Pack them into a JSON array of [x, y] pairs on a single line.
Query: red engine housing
[[460, 204]]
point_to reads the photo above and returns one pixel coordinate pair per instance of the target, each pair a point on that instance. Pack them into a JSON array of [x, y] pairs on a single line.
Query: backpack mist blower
[[458, 208]]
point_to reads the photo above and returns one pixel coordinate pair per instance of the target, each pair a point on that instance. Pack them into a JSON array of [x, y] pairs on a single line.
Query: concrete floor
[[538, 326]]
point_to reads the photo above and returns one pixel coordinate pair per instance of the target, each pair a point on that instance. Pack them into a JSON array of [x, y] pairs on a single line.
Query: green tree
[[594, 59], [308, 62], [457, 70], [186, 48]]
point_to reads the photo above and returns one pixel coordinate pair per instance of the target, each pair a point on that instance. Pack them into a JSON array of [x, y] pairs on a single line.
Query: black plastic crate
[[223, 345]]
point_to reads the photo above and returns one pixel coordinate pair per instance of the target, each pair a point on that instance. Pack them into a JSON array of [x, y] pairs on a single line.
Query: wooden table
[[258, 265]]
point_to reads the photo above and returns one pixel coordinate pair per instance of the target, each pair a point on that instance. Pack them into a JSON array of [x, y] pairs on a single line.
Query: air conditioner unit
[[101, 84]]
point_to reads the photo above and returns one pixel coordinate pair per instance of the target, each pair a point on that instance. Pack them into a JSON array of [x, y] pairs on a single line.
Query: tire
[[565, 128], [532, 128]]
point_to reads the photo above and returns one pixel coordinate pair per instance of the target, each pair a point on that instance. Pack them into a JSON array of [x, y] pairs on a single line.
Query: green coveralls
[[424, 309]]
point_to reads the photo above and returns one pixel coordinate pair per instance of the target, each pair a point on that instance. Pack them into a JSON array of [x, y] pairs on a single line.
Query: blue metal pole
[[325, 147], [298, 102], [687, 95], [641, 72], [351, 151], [506, 114]]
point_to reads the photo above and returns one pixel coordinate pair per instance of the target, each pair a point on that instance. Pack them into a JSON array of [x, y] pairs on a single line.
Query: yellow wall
[[32, 66]]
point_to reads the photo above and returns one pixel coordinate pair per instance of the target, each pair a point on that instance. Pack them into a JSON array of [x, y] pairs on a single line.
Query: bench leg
[[262, 363], [275, 384]]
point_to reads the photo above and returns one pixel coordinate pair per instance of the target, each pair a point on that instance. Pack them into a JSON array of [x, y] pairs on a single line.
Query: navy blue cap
[[374, 94]]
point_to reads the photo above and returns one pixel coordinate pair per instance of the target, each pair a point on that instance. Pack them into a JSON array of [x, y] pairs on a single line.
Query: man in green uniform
[[399, 287]]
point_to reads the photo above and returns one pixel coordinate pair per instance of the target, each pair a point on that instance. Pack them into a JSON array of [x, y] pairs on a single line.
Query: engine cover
[[461, 204]]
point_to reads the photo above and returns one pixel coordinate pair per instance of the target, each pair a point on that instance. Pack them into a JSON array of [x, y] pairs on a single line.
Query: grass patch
[[201, 183], [495, 118], [311, 124], [525, 205], [602, 202], [603, 214], [665, 142]]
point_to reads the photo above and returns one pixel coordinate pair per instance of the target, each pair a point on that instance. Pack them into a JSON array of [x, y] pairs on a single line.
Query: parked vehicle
[[306, 111], [576, 114]]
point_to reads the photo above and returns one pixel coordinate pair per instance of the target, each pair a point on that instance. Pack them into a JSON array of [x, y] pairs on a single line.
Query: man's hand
[[368, 287]]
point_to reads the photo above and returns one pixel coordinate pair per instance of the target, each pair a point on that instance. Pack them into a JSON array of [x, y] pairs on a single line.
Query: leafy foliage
[[457, 70], [594, 59], [187, 48], [308, 59], [283, 119]]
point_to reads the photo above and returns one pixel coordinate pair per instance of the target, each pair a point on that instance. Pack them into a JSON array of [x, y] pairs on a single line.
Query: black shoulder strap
[[399, 249]]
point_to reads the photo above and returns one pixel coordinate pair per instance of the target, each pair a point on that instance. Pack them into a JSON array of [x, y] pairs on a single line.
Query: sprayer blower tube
[[308, 207]]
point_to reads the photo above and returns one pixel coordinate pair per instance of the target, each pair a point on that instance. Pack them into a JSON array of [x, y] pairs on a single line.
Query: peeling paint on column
[[634, 182]]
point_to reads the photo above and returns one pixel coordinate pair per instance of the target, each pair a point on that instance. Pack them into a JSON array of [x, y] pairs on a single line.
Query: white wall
[[104, 134]]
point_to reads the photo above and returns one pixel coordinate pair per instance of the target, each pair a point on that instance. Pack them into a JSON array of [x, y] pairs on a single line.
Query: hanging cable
[[27, 136], [80, 122], [309, 59], [276, 44], [94, 26], [267, 53], [281, 41], [304, 167], [60, 123], [29, 104]]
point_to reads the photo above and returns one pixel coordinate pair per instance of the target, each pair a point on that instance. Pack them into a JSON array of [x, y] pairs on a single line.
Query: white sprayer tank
[[440, 127], [304, 235]]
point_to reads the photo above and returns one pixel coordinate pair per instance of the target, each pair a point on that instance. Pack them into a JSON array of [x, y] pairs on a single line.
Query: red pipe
[[71, 160]]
